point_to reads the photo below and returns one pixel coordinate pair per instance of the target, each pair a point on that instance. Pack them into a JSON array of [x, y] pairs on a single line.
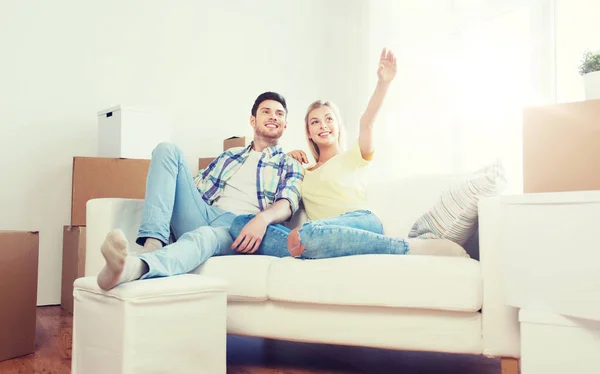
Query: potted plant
[[590, 70]]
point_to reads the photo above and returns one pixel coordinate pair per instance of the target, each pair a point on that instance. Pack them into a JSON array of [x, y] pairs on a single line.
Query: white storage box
[[555, 344], [551, 253], [163, 325], [128, 132]]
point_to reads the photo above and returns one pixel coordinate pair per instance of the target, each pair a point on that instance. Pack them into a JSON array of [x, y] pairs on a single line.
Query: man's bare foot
[[114, 250], [294, 245]]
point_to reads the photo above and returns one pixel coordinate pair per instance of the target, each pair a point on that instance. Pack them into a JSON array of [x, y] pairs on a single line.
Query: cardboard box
[[234, 141], [561, 147], [204, 162], [129, 132], [95, 177], [73, 263], [18, 292]]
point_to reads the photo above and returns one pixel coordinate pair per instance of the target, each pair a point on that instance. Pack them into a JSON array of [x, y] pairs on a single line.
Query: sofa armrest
[[500, 325], [104, 215]]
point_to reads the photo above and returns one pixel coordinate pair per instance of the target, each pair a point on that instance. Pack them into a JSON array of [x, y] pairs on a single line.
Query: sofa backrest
[[400, 202]]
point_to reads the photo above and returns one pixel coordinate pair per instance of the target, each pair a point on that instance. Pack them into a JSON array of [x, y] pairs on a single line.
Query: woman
[[334, 189]]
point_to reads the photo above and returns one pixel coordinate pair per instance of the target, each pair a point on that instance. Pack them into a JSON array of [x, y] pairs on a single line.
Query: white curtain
[[466, 70]]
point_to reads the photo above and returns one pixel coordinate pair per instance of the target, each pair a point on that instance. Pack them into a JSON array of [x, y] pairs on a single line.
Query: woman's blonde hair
[[314, 149]]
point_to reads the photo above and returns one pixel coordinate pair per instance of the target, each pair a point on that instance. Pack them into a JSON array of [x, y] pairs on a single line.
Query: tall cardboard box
[[234, 141], [561, 147], [98, 177], [18, 292], [73, 263]]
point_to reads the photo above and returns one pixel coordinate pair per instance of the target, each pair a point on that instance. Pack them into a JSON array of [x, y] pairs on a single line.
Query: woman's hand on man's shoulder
[[299, 156]]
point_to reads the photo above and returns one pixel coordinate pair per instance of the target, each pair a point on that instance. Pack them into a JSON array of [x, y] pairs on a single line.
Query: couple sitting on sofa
[[237, 204]]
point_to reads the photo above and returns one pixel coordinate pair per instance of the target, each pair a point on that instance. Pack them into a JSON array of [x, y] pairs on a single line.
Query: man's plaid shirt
[[278, 176]]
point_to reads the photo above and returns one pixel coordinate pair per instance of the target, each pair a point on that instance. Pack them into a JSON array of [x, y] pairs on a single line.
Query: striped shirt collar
[[270, 151]]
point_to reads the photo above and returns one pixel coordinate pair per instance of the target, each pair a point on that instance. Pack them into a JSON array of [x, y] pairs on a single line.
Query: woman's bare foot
[[294, 245], [114, 250]]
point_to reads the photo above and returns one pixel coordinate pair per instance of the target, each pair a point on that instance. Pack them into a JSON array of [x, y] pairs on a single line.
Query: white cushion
[[428, 282], [387, 328], [246, 275]]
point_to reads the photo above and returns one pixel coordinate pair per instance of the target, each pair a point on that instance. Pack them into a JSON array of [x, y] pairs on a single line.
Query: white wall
[[577, 30], [205, 61], [462, 78]]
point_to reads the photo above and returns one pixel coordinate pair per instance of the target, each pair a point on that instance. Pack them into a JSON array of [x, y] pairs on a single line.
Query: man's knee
[[166, 149], [203, 234], [238, 224]]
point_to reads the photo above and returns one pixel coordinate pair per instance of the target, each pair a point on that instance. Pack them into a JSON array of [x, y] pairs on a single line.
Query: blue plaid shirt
[[278, 176]]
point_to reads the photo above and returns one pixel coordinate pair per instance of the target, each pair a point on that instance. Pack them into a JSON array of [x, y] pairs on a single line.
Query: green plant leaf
[[590, 63]]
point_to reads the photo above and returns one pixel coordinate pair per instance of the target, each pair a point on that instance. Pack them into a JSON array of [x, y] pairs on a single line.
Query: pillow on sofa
[[454, 216]]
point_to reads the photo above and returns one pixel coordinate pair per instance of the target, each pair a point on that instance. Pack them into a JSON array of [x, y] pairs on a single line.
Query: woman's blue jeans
[[354, 233]]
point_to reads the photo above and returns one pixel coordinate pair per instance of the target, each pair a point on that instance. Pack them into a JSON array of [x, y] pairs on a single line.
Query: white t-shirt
[[240, 195]]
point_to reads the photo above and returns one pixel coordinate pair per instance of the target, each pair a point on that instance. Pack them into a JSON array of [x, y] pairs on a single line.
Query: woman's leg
[[355, 233], [274, 241]]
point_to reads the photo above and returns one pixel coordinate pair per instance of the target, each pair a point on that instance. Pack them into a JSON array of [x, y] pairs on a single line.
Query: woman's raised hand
[[386, 70]]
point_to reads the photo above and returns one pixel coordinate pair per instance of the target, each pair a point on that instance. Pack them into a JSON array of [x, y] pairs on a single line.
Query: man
[[259, 179]]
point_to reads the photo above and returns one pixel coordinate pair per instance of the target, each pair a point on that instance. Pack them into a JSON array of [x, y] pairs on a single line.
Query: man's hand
[[299, 156], [251, 236]]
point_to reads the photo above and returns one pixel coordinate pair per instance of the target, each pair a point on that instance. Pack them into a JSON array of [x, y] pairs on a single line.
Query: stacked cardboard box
[[73, 263], [99, 177], [95, 177], [561, 147], [19, 279], [132, 133], [232, 142], [204, 162]]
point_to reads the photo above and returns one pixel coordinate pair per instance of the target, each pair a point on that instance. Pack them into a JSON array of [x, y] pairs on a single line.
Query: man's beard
[[264, 133]]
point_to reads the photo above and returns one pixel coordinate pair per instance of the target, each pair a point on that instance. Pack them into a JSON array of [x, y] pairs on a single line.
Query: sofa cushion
[[427, 282], [454, 215], [246, 275]]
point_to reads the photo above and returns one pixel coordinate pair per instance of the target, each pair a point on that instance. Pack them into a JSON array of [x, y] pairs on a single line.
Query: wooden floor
[[252, 355]]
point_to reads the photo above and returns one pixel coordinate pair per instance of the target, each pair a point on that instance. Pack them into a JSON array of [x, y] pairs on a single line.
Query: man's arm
[[201, 177], [292, 185], [252, 234], [286, 204]]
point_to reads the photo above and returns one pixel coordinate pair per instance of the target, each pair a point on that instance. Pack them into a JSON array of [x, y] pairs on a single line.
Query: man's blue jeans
[[354, 233], [174, 206]]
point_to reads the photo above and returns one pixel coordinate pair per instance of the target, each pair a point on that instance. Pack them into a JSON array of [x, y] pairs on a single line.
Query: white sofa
[[424, 303]]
